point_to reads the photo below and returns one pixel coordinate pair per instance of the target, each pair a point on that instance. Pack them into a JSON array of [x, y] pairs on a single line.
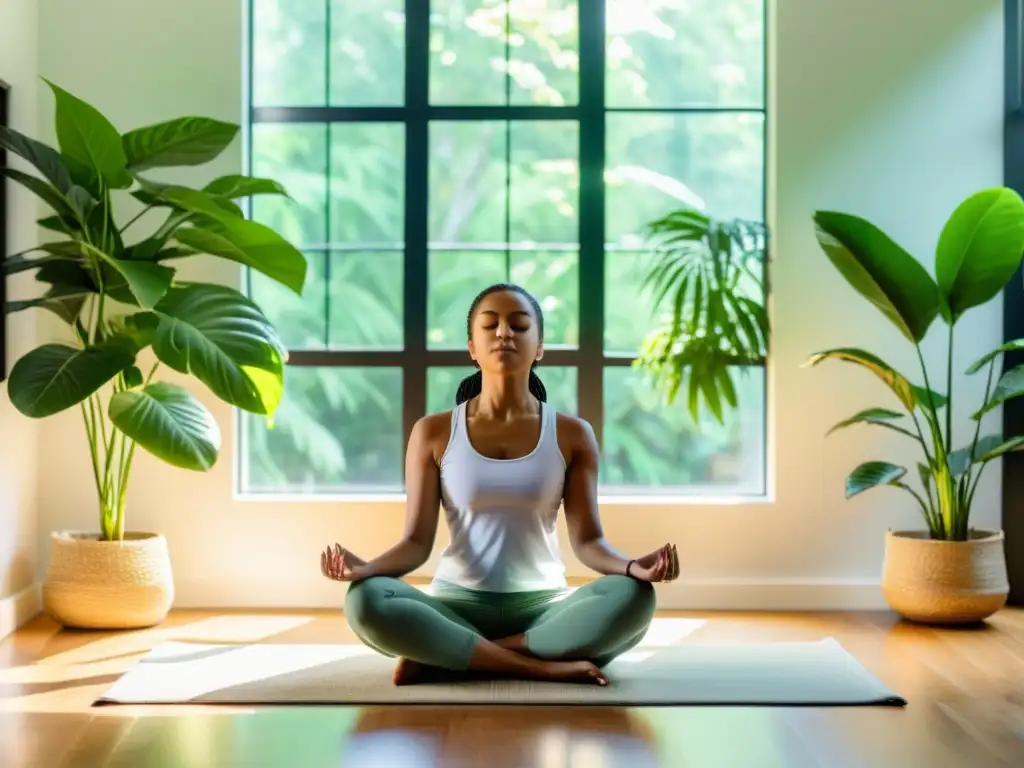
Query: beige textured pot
[[945, 582], [93, 584]]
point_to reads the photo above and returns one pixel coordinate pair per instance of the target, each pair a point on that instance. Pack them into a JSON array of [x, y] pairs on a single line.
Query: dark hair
[[472, 385]]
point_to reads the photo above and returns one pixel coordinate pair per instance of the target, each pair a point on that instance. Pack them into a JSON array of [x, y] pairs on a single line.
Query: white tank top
[[502, 513]]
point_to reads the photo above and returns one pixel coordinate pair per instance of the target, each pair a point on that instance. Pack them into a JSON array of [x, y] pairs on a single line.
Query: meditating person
[[501, 464]]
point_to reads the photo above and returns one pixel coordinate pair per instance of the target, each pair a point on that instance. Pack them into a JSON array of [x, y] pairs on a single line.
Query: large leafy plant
[[978, 252], [707, 278], [121, 296]]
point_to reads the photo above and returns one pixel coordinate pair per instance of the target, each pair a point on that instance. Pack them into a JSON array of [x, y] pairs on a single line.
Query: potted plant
[[130, 317], [707, 281], [948, 572]]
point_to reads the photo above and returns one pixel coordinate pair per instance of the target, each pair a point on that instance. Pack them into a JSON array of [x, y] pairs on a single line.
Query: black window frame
[[1013, 302], [589, 358]]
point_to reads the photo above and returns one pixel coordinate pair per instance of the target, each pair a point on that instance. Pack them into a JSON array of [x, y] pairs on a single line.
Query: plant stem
[[90, 436], [135, 218], [949, 393]]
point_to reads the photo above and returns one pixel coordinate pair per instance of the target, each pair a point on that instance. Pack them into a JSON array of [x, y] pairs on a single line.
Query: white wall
[[18, 435], [878, 108]]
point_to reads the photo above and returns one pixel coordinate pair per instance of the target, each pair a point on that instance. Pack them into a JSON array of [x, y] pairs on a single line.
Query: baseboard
[[693, 595], [19, 608]]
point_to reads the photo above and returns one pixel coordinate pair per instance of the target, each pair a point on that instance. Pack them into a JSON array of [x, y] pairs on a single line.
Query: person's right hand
[[341, 565]]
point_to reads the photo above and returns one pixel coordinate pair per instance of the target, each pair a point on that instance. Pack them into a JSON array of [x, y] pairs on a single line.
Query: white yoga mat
[[820, 673]]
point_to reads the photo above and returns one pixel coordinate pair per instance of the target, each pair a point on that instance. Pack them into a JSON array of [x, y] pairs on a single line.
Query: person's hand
[[660, 565], [341, 565]]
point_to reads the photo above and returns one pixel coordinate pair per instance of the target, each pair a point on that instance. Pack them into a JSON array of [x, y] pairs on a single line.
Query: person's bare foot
[[574, 672], [409, 672]]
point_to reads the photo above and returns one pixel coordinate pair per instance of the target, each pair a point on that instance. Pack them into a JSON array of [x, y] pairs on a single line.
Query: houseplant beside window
[[129, 317], [949, 572]]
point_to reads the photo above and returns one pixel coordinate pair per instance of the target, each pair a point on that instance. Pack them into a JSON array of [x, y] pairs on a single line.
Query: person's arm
[[423, 502], [580, 501]]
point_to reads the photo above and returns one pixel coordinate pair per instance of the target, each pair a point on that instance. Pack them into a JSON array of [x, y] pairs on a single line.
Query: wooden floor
[[965, 690]]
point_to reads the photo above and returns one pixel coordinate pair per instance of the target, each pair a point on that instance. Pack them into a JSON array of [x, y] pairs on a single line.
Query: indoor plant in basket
[[949, 572], [129, 315]]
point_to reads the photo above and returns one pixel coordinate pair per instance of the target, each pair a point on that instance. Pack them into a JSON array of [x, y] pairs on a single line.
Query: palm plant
[[120, 298], [710, 275], [978, 252]]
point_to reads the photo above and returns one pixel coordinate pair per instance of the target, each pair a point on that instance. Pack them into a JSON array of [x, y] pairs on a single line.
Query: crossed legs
[[568, 639]]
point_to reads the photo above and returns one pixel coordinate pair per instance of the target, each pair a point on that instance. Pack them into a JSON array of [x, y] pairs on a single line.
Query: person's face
[[505, 337]]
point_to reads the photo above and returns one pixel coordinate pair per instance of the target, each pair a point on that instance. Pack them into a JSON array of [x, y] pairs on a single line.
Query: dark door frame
[[1013, 302]]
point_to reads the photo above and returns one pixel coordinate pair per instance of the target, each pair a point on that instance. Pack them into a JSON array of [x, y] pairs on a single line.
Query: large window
[[433, 148]]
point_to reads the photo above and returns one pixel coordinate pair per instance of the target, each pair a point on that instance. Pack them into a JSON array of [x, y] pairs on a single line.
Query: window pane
[[366, 300], [651, 447], [367, 183], [367, 52], [674, 53], [337, 430], [560, 384], [544, 52], [289, 53], [661, 162], [628, 313], [467, 182], [300, 321], [443, 384], [544, 182], [467, 51], [296, 156], [456, 277]]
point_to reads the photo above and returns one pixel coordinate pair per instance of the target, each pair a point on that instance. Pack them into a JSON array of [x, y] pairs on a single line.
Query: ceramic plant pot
[[945, 582], [94, 584]]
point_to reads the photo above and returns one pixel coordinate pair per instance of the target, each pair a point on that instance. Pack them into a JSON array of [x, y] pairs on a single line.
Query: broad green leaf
[[252, 245], [54, 377], [989, 447], [151, 250], [132, 377], [979, 249], [883, 417], [222, 338], [959, 460], [147, 281], [55, 224], [43, 190], [880, 271], [1010, 385], [65, 301], [902, 388], [924, 396], [167, 421], [1010, 346], [234, 186], [872, 474], [204, 203], [87, 136], [180, 142], [45, 159], [1013, 444]]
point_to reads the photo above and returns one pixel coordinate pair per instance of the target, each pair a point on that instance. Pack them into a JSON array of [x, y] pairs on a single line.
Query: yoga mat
[[819, 673]]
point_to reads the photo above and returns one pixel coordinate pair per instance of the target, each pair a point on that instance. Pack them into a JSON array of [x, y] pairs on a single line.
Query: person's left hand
[[660, 565]]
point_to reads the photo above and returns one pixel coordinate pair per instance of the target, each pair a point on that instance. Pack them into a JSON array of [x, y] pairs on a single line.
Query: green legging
[[596, 622]]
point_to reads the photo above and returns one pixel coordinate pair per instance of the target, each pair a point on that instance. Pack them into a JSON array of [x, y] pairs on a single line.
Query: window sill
[[613, 500]]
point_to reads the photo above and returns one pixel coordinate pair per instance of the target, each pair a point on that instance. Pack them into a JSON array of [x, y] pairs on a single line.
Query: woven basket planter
[[93, 584], [945, 582]]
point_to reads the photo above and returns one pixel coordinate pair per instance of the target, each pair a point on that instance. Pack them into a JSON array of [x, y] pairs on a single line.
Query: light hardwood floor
[[965, 690]]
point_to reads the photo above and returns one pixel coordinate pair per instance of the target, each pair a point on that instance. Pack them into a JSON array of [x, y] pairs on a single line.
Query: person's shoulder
[[576, 431], [430, 433], [433, 426]]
